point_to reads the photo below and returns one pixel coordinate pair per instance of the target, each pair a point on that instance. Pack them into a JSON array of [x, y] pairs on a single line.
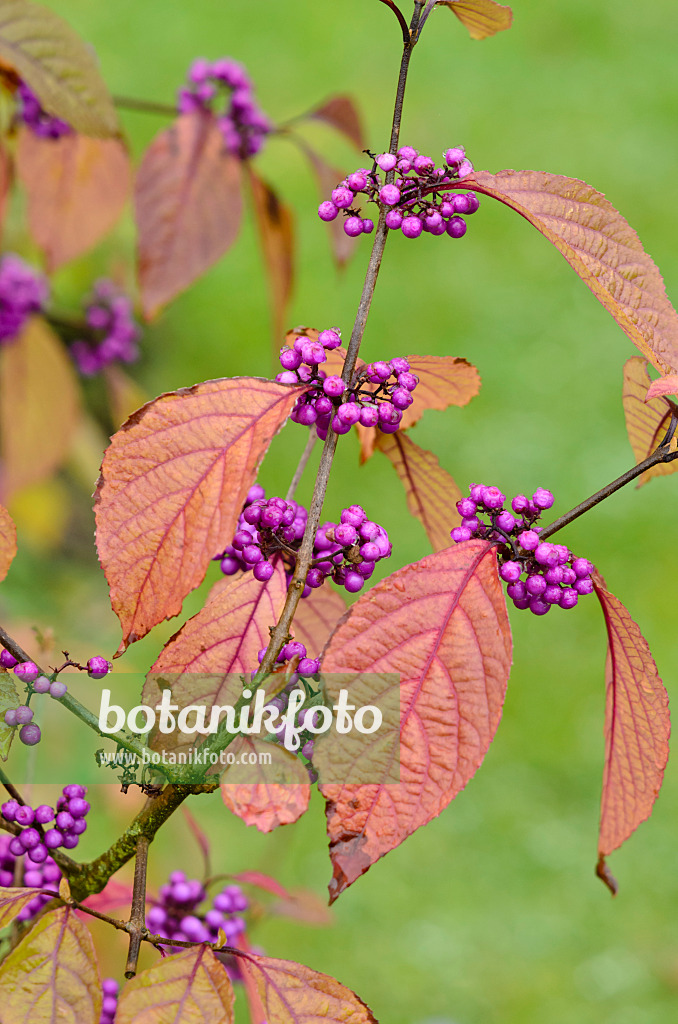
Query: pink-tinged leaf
[[262, 881], [203, 662], [637, 727], [188, 207], [7, 541], [304, 905], [316, 617], [431, 492], [276, 234], [604, 250], [441, 624], [39, 407], [265, 795], [482, 18], [200, 838], [663, 386], [76, 188], [172, 485], [189, 988], [116, 896], [13, 901], [293, 994], [646, 421], [328, 178], [342, 114], [52, 974]]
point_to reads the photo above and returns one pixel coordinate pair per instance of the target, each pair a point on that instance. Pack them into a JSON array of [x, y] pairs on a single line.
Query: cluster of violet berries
[[109, 1003], [271, 527], [378, 396], [45, 875], [553, 576], [23, 291], [418, 199], [176, 914], [113, 332], [243, 124], [37, 842], [38, 120]]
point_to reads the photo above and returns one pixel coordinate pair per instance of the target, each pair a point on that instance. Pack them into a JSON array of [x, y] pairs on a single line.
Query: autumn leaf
[[482, 18], [316, 617], [637, 728], [39, 407], [188, 199], [265, 795], [52, 974], [646, 422], [202, 663], [441, 624], [601, 246], [13, 901], [328, 177], [431, 492], [188, 988], [5, 182], [57, 65], [9, 698], [76, 188], [117, 895], [342, 114], [293, 994], [663, 386], [173, 482], [7, 541], [276, 234]]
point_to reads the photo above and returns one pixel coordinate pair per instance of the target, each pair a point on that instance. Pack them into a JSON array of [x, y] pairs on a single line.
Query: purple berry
[[30, 735], [263, 571], [459, 534], [349, 413], [27, 671], [582, 567], [25, 815], [290, 359], [353, 582], [369, 416], [505, 521], [328, 211], [517, 591], [394, 219], [552, 594], [342, 197], [30, 837], [520, 504], [538, 606], [9, 809], [353, 226], [412, 227], [542, 498], [492, 498], [10, 717], [454, 156], [7, 660], [43, 814], [387, 161], [368, 226], [583, 585], [334, 386], [568, 598], [57, 689], [330, 338], [528, 540], [38, 854], [535, 585], [41, 685], [308, 666], [456, 227], [546, 554], [74, 789], [307, 416], [24, 715], [389, 195], [510, 572]]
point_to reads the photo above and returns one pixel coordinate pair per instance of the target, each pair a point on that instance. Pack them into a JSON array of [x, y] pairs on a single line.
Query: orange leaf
[[663, 386], [276, 233], [13, 901], [341, 113], [265, 795], [442, 625], [315, 618], [482, 18], [39, 406], [172, 485], [293, 994], [202, 663], [7, 543], [189, 988], [637, 727], [431, 492], [603, 249], [188, 207], [52, 974], [646, 422], [76, 188]]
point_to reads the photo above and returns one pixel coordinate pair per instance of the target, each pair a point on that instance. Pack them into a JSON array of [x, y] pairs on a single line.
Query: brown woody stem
[[137, 919]]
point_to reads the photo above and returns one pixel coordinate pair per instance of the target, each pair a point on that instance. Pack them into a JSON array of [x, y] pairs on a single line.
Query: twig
[[401, 19], [144, 106], [137, 920]]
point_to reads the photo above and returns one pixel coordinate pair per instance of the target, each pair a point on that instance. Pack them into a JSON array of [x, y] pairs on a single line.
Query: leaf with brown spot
[[172, 485], [190, 987], [265, 795], [52, 974], [328, 178], [76, 188], [276, 234], [646, 422], [600, 246], [316, 617], [293, 994], [7, 541], [441, 625], [431, 493], [637, 727], [188, 199], [342, 114], [663, 386], [482, 18], [39, 407]]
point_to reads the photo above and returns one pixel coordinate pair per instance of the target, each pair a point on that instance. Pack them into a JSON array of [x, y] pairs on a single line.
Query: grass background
[[491, 913]]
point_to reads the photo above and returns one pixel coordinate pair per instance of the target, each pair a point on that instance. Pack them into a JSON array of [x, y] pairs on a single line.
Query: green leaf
[[9, 698], [57, 65]]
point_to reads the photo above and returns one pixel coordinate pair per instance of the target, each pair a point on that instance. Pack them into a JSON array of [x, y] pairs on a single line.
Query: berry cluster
[[306, 666], [176, 914], [268, 528], [417, 200], [22, 291], [38, 876], [306, 714], [109, 1004], [243, 124], [553, 576], [69, 824], [378, 396], [113, 332], [37, 119]]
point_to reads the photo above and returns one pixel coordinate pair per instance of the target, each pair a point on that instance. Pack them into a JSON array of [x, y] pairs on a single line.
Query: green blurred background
[[491, 913]]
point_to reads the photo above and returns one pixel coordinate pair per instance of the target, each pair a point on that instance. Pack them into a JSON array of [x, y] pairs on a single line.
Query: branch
[[137, 918], [144, 106]]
